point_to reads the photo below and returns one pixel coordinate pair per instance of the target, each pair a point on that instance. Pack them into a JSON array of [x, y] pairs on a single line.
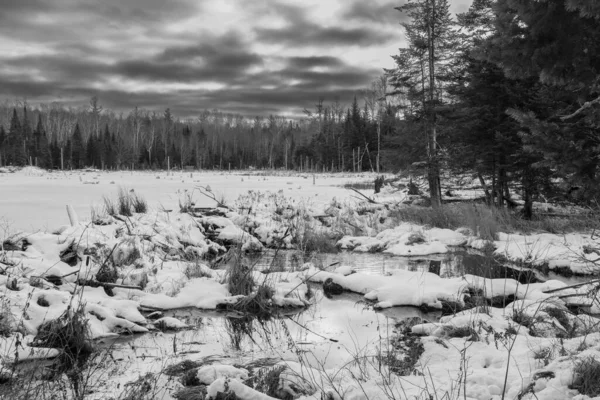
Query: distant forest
[[330, 138], [508, 90]]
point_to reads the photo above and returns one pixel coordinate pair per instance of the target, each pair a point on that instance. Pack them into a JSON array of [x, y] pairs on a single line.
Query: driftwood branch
[[581, 109]]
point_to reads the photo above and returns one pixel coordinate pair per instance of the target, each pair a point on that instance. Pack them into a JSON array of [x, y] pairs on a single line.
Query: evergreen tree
[[559, 44], [16, 154], [91, 152], [39, 150], [421, 67], [29, 145], [2, 145], [77, 149]]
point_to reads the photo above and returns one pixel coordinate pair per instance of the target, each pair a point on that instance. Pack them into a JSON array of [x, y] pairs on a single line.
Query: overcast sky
[[254, 57]]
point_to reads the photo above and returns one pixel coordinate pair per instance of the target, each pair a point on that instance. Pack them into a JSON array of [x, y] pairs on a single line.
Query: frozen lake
[[32, 200]]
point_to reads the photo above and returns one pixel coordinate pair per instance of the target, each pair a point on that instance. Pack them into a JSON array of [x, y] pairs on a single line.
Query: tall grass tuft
[[68, 333], [124, 203], [109, 206], [139, 204], [586, 377]]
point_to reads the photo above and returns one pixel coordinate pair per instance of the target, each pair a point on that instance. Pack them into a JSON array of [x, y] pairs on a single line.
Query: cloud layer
[[276, 56]]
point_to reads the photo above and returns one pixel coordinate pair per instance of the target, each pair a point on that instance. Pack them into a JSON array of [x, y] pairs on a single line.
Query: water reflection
[[456, 263], [331, 330]]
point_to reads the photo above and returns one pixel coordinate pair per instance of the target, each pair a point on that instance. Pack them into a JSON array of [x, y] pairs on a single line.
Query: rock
[[332, 288]]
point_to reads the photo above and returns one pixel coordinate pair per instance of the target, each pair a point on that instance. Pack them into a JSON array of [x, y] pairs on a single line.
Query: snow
[[160, 255], [207, 375], [403, 288], [25, 190], [242, 391], [406, 239]]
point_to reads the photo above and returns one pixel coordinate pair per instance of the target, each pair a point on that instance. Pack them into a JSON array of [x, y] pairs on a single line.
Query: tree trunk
[[435, 189]]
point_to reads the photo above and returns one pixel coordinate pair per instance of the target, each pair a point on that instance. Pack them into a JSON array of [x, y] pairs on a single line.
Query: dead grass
[[196, 270], [267, 381], [311, 240], [5, 320], [69, 334], [139, 204], [487, 221], [127, 203], [586, 377]]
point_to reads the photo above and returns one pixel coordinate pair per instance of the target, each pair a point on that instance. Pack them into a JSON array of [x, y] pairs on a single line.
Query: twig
[[306, 280], [311, 331], [370, 200], [205, 192], [585, 106], [571, 286], [93, 283]]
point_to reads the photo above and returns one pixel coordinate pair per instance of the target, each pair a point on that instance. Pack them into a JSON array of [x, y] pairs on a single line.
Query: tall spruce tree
[[77, 148], [28, 144], [16, 154], [421, 68], [557, 42]]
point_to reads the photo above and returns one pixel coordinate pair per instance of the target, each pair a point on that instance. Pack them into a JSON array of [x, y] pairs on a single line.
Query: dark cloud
[[74, 49], [301, 31], [309, 34], [314, 61]]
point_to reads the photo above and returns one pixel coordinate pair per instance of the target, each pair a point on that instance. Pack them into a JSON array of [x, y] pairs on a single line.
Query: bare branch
[[584, 107]]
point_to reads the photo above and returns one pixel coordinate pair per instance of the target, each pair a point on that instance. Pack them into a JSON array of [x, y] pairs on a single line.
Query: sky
[[257, 57]]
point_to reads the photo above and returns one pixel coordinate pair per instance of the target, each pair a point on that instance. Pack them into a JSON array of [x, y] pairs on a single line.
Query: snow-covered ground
[[116, 270], [33, 199]]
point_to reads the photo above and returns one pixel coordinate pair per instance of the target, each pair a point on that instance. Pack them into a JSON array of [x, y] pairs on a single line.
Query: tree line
[[330, 138]]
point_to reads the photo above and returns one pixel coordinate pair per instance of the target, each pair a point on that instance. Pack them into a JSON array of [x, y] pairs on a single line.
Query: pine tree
[[28, 140], [559, 44], [107, 157], [16, 145], [39, 149], [91, 151], [44, 158], [2, 146], [421, 67], [77, 149]]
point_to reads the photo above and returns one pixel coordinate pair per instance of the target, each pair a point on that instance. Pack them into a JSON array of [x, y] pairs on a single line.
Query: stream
[[326, 335]]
